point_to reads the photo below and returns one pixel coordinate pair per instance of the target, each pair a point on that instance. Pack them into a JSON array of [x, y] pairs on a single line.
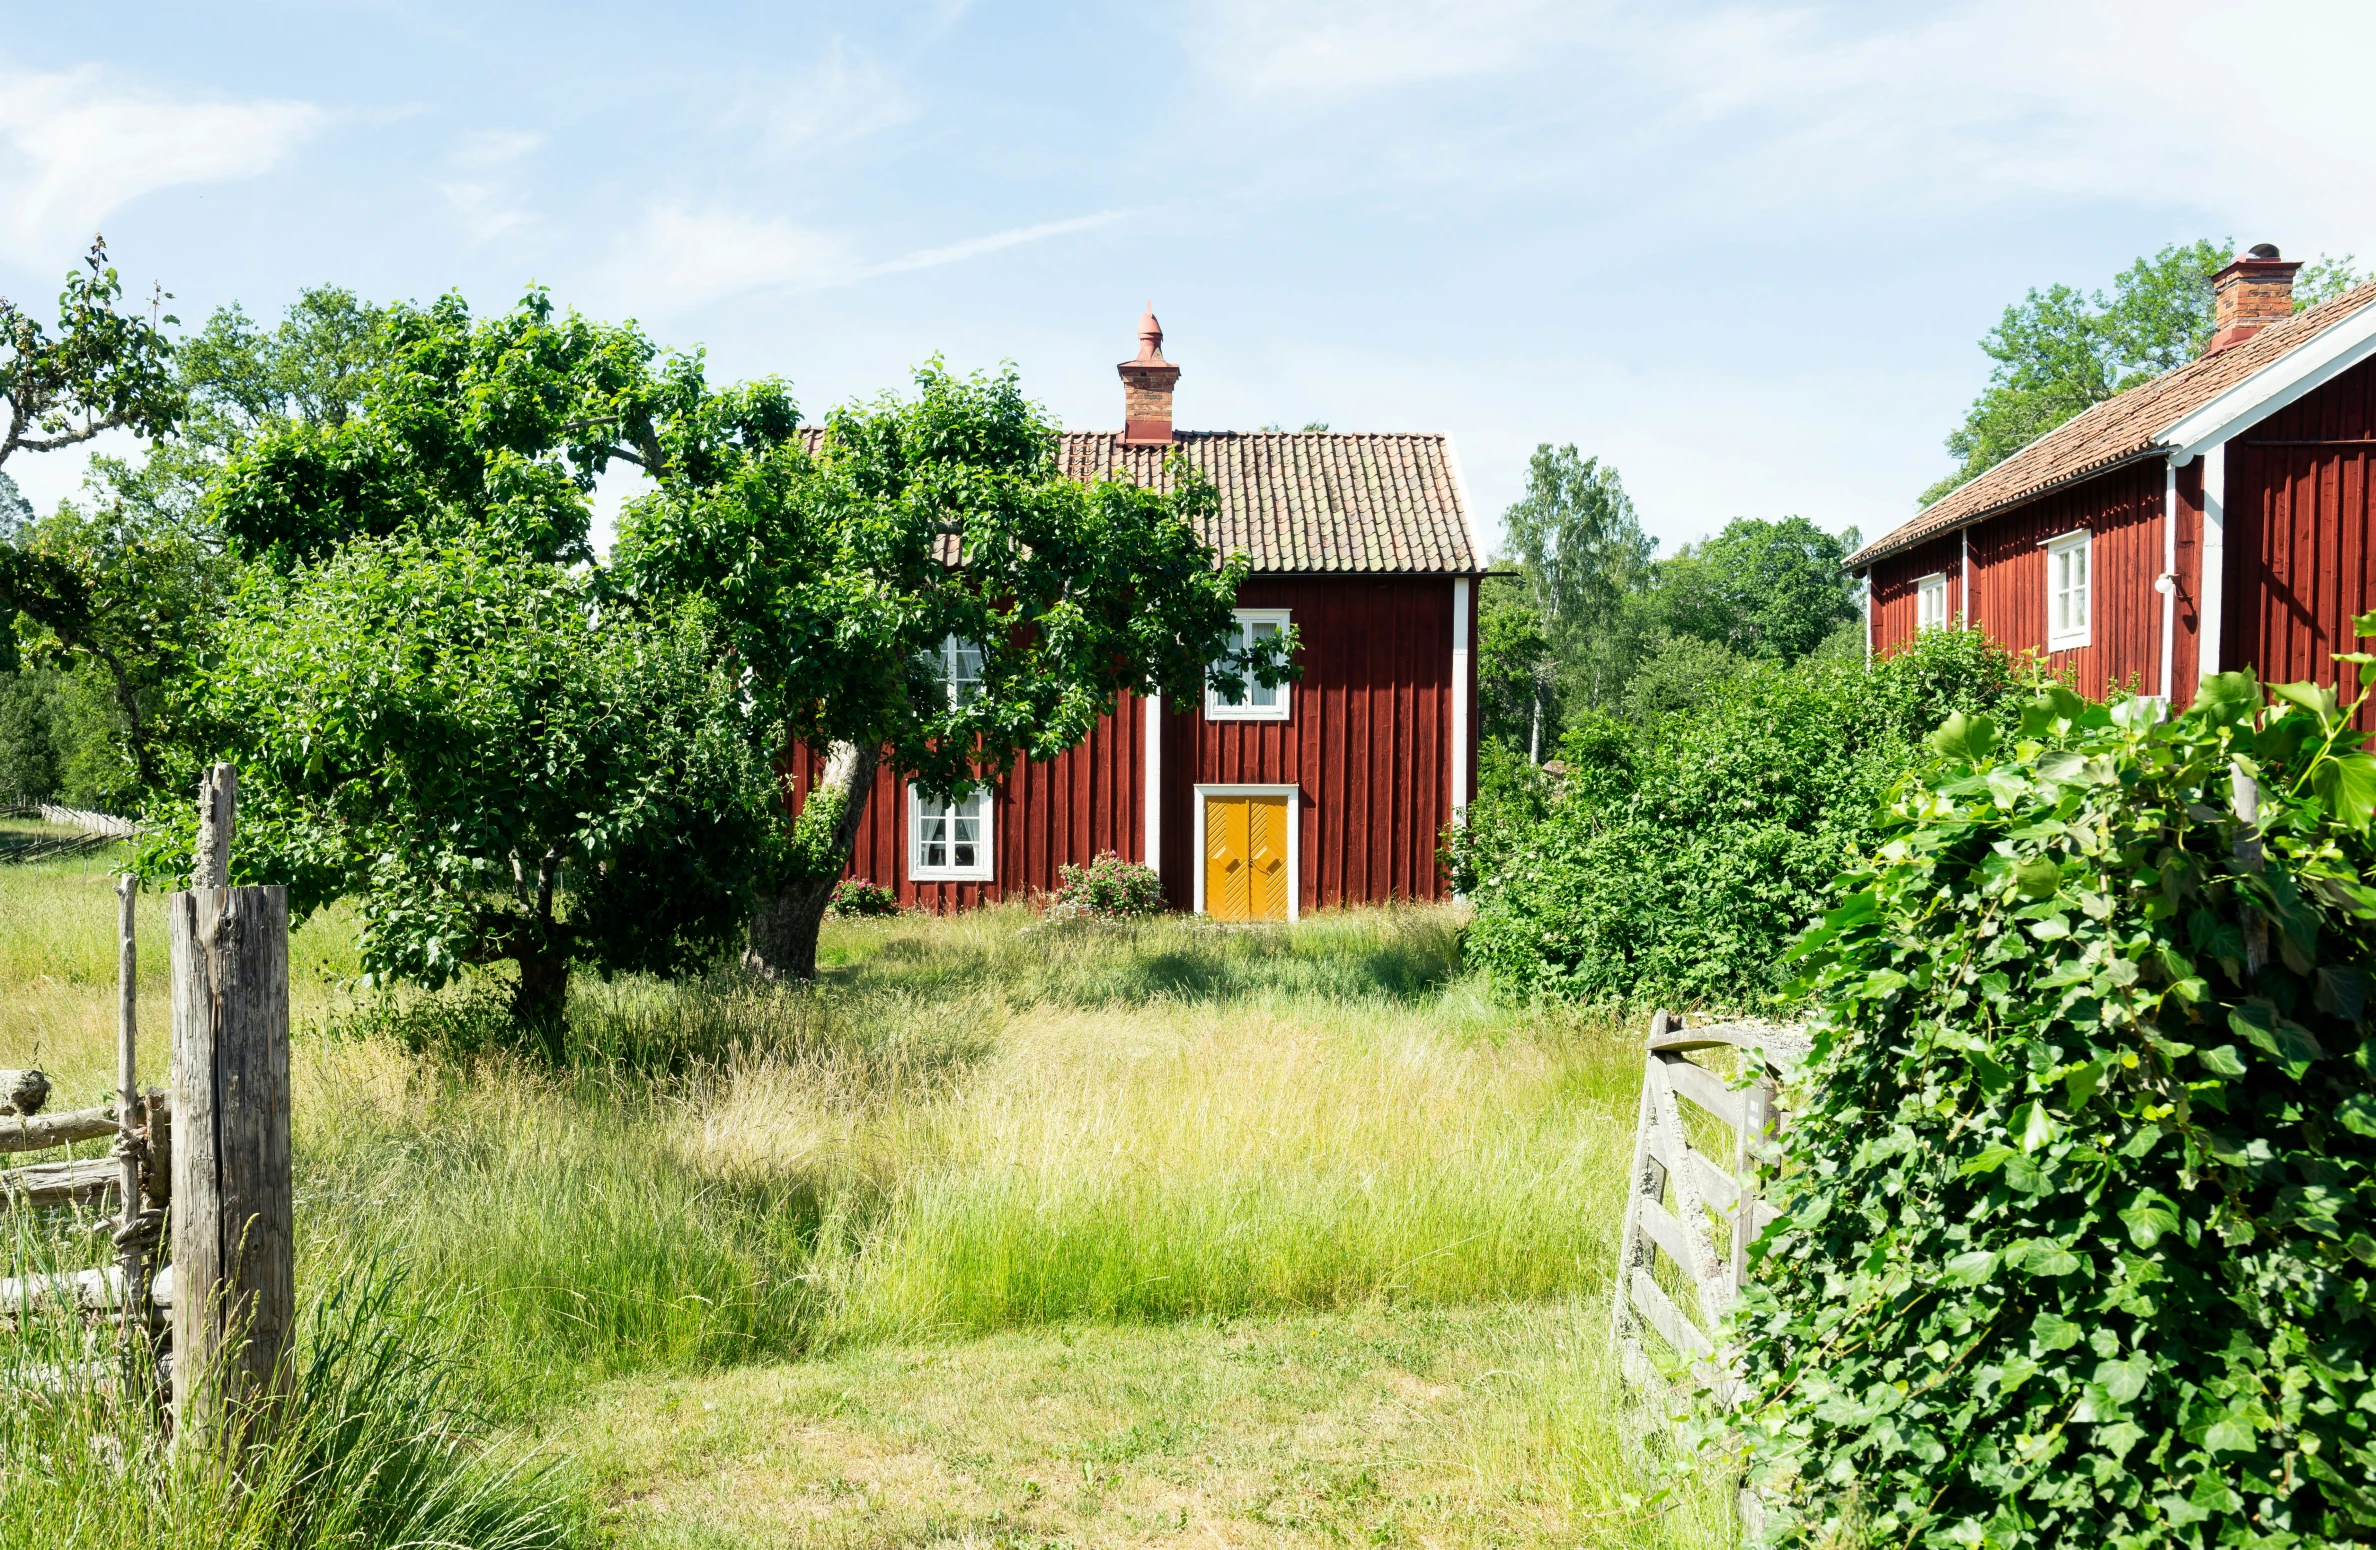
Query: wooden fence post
[[234, 1281]]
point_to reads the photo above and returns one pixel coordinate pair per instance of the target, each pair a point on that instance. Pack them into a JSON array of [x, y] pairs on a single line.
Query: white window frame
[[1926, 588], [1218, 709], [2082, 543], [985, 851], [944, 669], [1294, 796]]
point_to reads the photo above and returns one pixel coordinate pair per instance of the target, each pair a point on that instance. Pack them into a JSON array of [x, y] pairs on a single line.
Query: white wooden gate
[[1680, 1197]]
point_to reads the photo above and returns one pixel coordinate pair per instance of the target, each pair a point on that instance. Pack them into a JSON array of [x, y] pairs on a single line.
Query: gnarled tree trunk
[[784, 927]]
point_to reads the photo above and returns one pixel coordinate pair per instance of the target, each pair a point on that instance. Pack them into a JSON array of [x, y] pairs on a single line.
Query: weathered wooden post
[[234, 1278], [136, 1227]]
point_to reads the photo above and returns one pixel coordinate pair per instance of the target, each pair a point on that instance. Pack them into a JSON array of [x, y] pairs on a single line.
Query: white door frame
[[1294, 796]]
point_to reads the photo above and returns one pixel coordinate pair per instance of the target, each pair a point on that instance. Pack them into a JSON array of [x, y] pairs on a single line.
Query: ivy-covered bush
[[857, 896], [1108, 888], [2079, 1215], [1679, 855]]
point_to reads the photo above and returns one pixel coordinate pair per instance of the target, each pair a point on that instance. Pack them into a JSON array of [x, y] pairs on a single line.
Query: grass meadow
[[1002, 1234]]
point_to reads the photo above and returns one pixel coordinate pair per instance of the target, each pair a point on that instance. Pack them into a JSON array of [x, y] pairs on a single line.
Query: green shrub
[[857, 896], [1108, 888], [2079, 1209], [1679, 855]]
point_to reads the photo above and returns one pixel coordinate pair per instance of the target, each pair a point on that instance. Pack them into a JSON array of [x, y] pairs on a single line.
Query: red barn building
[[1329, 790], [2217, 517]]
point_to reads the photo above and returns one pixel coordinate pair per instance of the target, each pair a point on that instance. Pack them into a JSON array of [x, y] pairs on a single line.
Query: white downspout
[[1966, 599], [1460, 698], [2214, 555]]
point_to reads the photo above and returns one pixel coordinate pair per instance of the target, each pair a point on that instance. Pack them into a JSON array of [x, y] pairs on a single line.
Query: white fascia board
[[1460, 497], [2299, 372]]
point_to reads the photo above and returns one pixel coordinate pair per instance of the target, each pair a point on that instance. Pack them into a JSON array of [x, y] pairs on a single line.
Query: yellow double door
[[1245, 850]]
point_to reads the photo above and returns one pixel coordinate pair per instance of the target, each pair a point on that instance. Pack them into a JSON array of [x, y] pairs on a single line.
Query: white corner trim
[[1964, 611], [2303, 369], [2214, 551], [1152, 706], [1294, 796], [1460, 698], [2167, 582], [1460, 498]]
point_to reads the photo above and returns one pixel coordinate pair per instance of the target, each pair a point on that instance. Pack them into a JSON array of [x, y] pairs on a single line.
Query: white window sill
[[949, 875], [1244, 713], [2068, 643]]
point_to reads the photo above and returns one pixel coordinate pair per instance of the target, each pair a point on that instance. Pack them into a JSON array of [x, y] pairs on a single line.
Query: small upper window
[[1930, 602], [1260, 702], [949, 841], [2068, 569], [957, 666]]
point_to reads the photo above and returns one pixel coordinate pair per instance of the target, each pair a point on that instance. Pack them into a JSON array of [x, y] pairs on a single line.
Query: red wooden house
[[1330, 790], [2217, 517]]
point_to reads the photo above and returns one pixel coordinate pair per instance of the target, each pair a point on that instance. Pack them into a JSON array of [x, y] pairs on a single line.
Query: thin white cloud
[[691, 257], [680, 258], [77, 145], [485, 198], [975, 247], [1341, 48], [845, 95]]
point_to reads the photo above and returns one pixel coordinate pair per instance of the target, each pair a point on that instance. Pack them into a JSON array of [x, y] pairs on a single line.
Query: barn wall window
[[1930, 602], [957, 666], [949, 841], [2070, 568], [1259, 703]]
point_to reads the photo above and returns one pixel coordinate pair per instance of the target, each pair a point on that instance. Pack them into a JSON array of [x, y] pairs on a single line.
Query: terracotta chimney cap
[[2253, 291], [1147, 384]]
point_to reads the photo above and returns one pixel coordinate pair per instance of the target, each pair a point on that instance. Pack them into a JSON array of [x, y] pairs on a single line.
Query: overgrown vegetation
[[1081, 1149], [1682, 849], [2080, 1216]]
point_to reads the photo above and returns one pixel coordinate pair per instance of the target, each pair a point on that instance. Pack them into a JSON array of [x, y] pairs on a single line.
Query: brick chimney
[[1147, 384], [2253, 291]]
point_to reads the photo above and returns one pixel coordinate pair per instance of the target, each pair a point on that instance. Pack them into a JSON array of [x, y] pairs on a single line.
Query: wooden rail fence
[[210, 1154]]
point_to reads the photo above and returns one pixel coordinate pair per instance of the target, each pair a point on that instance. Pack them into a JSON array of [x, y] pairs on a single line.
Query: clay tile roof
[[1309, 502], [2119, 430]]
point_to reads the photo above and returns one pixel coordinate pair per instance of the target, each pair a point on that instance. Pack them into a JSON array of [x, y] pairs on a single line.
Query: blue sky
[[1741, 251]]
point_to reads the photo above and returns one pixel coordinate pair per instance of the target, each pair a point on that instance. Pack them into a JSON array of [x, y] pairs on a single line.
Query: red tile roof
[[2119, 430], [1309, 502]]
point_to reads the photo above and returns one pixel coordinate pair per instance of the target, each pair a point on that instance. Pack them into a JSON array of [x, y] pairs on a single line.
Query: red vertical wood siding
[[1367, 744], [2298, 516], [2122, 508]]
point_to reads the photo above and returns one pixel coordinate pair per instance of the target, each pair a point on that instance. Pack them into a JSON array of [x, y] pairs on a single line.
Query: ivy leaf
[[2081, 1084], [2037, 879], [2050, 1331], [1988, 1162], [2255, 1022], [2231, 1433], [2147, 1216], [2363, 625], [2042, 1257], [2318, 699], [1967, 738], [2221, 1060], [2357, 1114], [2348, 783], [2342, 991], [2037, 1128], [2125, 1379], [2227, 698], [1972, 1268]]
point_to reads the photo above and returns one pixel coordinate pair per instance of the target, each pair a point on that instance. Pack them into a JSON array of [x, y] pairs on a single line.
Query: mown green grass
[[970, 1125]]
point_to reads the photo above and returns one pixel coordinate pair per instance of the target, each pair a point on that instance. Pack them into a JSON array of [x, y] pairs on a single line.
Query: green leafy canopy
[[2080, 1194]]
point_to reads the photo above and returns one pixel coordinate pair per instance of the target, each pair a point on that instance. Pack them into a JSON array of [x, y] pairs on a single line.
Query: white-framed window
[[957, 666], [1930, 602], [1260, 702], [949, 841], [2069, 569]]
